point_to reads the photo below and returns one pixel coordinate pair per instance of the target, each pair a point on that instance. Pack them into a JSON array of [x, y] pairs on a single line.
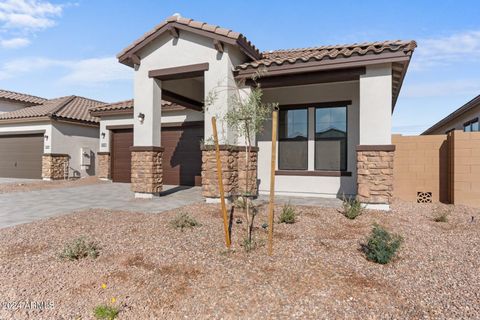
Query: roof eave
[[455, 114], [126, 56]]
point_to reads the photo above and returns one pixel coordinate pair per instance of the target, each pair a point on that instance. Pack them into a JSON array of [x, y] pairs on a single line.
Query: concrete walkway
[[23, 207]]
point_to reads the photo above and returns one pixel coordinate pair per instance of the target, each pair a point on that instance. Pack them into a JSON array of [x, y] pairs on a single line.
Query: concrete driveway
[[23, 207]]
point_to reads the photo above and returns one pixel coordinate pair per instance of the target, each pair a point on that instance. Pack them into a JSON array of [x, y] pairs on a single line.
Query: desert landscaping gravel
[[155, 271], [32, 185]]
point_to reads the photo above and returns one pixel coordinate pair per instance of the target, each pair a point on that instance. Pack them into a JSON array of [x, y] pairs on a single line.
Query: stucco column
[[375, 153], [146, 151]]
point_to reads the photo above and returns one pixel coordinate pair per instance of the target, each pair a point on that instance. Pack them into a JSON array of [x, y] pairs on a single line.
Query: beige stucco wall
[[167, 52], [312, 185], [376, 105], [70, 139]]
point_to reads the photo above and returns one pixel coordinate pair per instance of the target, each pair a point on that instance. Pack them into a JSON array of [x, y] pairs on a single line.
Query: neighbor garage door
[[182, 158], [21, 156]]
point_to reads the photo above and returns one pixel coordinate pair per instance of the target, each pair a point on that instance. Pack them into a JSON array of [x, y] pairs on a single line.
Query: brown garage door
[[182, 158], [121, 142], [21, 156]]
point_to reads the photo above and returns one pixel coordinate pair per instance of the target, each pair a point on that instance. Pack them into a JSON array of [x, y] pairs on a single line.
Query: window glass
[[474, 126], [467, 128], [293, 139], [331, 138]]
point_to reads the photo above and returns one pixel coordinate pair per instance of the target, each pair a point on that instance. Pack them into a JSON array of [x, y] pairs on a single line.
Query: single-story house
[[335, 110], [53, 139], [464, 118]]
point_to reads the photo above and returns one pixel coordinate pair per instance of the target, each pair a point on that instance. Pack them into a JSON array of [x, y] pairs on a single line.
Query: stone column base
[[233, 163], [375, 175], [147, 173], [104, 165], [55, 166]]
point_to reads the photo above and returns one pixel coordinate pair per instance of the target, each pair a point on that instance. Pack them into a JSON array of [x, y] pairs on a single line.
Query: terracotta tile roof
[[190, 23], [69, 107], [128, 105], [21, 97], [291, 56]]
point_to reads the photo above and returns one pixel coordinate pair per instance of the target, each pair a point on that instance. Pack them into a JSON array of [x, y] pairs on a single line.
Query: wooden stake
[[272, 182], [220, 183]]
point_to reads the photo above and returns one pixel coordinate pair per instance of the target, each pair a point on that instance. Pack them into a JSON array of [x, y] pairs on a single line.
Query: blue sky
[[55, 48]]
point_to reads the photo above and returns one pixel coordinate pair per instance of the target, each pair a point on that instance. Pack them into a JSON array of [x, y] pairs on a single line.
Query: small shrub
[[381, 246], [106, 312], [183, 220], [287, 215], [80, 248], [352, 208], [441, 215]]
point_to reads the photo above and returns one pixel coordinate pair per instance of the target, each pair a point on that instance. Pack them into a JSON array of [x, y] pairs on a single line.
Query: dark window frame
[[337, 105], [469, 124], [314, 105], [287, 108]]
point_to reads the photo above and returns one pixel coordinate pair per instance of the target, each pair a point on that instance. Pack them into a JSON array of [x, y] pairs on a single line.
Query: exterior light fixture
[[46, 137], [141, 117], [103, 135]]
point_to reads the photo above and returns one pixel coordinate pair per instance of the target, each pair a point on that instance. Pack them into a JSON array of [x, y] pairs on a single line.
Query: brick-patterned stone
[[104, 163], [234, 171], [55, 166], [375, 176], [147, 173]]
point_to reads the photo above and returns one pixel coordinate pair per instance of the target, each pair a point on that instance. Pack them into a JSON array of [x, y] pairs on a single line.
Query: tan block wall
[[104, 165], [465, 168], [147, 171], [55, 166], [375, 176], [234, 171], [421, 165]]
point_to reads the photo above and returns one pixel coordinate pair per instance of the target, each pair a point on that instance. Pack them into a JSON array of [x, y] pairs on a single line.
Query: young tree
[[246, 116]]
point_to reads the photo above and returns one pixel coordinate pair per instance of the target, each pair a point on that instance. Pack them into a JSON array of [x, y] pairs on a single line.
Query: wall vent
[[424, 197]]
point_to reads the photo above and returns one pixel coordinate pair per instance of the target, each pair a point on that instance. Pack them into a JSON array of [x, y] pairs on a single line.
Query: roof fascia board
[[23, 120], [111, 112], [337, 63], [125, 58]]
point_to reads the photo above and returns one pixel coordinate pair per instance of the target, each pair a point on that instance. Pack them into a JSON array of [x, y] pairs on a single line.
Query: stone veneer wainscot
[[147, 173], [375, 173], [55, 166], [233, 160]]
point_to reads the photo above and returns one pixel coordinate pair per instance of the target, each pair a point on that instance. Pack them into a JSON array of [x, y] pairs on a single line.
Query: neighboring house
[[11, 101], [335, 103], [56, 139], [464, 118]]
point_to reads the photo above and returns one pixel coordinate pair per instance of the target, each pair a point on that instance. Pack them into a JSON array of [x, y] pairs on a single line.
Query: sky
[[56, 48]]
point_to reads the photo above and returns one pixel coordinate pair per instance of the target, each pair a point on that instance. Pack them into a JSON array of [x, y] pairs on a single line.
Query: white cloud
[[97, 70], [14, 43], [447, 50], [442, 88], [84, 72], [28, 14]]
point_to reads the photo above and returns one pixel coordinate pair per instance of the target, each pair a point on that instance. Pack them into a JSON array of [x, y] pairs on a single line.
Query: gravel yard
[[32, 185], [155, 271]]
